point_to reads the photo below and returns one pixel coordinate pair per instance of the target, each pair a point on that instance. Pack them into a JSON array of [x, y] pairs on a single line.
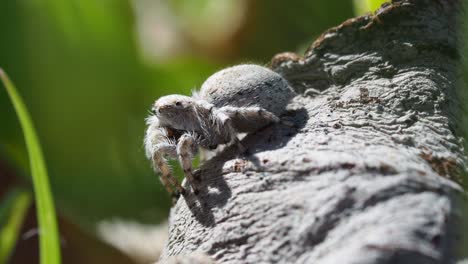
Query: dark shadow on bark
[[275, 137], [214, 191]]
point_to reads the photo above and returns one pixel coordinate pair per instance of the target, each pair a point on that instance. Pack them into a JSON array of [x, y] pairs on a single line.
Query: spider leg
[[166, 177], [248, 118], [244, 119], [160, 142], [186, 149]]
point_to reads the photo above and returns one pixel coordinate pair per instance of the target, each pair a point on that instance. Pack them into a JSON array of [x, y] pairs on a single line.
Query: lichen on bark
[[368, 171]]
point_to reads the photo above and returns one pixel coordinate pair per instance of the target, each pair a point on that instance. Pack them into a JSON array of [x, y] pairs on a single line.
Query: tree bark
[[367, 173]]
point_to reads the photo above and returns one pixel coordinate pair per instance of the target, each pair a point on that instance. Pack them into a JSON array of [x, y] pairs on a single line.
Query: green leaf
[[12, 213], [49, 243], [364, 6]]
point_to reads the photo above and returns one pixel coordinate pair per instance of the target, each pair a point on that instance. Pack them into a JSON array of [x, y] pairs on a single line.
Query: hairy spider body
[[240, 99]]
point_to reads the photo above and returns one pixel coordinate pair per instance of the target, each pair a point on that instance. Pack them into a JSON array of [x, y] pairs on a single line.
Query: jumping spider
[[240, 99]]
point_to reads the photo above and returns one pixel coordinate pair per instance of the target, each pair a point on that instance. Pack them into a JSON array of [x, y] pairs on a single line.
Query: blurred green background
[[89, 71]]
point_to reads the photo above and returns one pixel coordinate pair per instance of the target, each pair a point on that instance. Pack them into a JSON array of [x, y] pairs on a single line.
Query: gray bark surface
[[367, 173]]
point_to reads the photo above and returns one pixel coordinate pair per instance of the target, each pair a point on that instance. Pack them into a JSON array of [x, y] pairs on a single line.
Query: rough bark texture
[[365, 175]]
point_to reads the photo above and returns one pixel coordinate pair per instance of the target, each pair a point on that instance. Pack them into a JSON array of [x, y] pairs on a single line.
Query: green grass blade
[[12, 213], [49, 243]]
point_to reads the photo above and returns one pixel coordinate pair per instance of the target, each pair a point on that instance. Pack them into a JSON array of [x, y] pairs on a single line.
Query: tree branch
[[366, 174]]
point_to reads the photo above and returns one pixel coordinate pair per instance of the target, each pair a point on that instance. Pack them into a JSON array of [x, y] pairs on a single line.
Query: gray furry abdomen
[[247, 85]]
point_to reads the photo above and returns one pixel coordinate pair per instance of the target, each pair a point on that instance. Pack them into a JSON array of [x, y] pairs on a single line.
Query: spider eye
[[153, 110], [178, 103]]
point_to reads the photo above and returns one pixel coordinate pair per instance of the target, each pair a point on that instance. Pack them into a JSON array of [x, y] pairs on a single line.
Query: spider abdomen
[[247, 85]]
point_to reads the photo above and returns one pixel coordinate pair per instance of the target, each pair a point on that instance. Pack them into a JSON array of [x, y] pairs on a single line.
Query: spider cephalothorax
[[240, 99]]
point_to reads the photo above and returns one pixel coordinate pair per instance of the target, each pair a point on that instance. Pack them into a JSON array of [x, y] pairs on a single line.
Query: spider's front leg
[[159, 142], [160, 163], [187, 148]]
